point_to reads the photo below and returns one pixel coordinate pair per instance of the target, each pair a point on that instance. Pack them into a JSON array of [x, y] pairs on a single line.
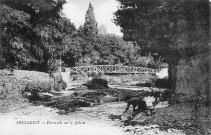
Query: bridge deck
[[110, 69]]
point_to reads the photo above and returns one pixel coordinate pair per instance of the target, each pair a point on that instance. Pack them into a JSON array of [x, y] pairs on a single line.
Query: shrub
[[149, 81], [64, 85], [144, 61], [97, 75], [97, 83], [83, 76], [146, 84], [148, 61], [59, 83], [70, 103], [162, 83], [38, 86]]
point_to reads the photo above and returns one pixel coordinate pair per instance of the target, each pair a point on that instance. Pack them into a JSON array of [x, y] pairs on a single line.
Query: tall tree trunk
[[172, 72], [1, 59], [1, 50]]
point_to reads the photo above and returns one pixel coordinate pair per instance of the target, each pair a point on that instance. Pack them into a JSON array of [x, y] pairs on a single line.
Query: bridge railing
[[109, 69]]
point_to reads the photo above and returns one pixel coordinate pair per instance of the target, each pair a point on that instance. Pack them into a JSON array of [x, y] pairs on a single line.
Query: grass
[[12, 86]]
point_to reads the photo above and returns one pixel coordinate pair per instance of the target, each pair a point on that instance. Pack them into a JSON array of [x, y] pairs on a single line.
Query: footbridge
[[111, 69]]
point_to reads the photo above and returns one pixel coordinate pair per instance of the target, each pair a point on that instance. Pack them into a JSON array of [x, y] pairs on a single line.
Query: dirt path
[[87, 121]]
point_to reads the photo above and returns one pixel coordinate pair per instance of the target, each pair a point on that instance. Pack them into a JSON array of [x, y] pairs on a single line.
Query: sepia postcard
[[105, 67]]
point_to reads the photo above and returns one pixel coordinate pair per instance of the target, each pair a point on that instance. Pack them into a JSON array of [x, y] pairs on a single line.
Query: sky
[[75, 10]]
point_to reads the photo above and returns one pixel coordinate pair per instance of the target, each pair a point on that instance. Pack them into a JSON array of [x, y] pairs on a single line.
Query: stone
[[169, 130], [140, 129], [154, 126], [130, 129]]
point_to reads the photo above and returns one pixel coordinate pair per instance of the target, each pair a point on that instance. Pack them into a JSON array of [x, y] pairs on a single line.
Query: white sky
[[75, 10]]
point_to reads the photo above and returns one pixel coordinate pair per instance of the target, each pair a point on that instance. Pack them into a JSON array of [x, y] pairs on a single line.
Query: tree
[[90, 25], [14, 26], [102, 30], [132, 51], [90, 30], [111, 49], [174, 29], [72, 50], [34, 32]]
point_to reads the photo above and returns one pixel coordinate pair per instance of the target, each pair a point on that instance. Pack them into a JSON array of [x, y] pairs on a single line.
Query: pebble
[[154, 126], [169, 130], [139, 130]]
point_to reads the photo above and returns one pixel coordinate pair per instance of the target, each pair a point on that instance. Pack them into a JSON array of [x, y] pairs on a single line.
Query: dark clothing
[[137, 101]]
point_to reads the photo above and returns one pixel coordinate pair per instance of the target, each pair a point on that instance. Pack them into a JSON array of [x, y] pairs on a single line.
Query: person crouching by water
[[140, 103]]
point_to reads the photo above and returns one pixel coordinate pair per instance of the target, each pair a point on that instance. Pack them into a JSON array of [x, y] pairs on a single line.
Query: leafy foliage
[[90, 25], [102, 29], [35, 37], [33, 33], [168, 27], [97, 83], [111, 49], [173, 29]]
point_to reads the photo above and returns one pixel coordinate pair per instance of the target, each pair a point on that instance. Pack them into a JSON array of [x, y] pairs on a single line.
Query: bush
[[162, 83], [59, 83], [96, 75], [64, 85], [83, 76], [38, 86], [97, 83], [147, 84], [69, 103], [148, 61], [144, 61]]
